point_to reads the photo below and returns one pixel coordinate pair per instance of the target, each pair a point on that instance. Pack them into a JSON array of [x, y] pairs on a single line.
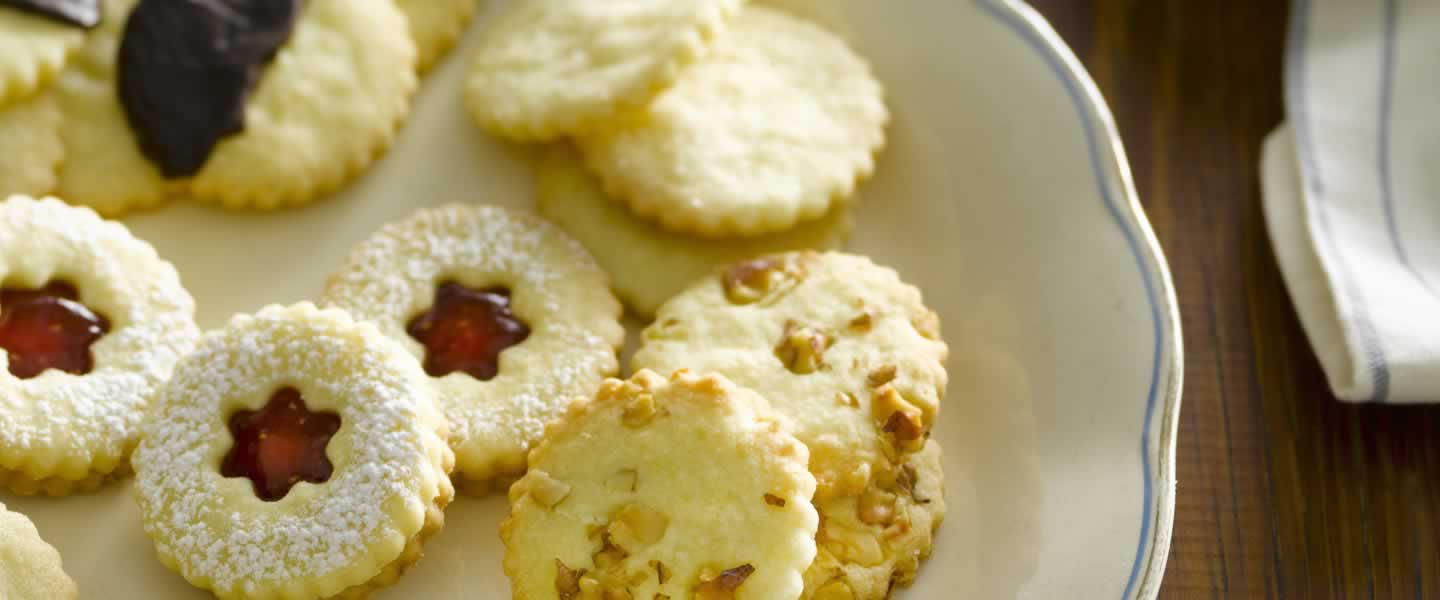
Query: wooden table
[[1283, 491]]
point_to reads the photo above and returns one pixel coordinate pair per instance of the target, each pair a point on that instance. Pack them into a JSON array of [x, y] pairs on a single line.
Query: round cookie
[[91, 321], [553, 67], [30, 143], [873, 543], [348, 66], [295, 454], [649, 265], [30, 569], [436, 25], [840, 346], [103, 168], [33, 50], [511, 318], [686, 488], [774, 127]]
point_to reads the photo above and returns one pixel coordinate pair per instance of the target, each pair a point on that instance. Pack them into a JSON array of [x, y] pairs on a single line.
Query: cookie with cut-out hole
[[510, 317], [297, 453], [91, 322]]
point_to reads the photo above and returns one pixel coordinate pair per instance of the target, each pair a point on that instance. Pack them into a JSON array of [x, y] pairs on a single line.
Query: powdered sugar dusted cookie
[[842, 347], [553, 67], [30, 569], [647, 264], [30, 145], [91, 323], [511, 318], [774, 127], [295, 454], [680, 488], [873, 543], [33, 49], [436, 25]]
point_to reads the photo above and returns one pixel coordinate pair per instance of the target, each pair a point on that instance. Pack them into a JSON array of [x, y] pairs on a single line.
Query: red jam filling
[[47, 329], [280, 445], [466, 330]]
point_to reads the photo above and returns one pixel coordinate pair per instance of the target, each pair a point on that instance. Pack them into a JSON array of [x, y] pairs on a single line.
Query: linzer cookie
[[238, 102], [30, 569], [510, 318], [295, 454], [840, 346], [37, 37], [774, 127], [552, 67], [436, 25], [647, 264], [686, 488], [91, 322], [30, 145]]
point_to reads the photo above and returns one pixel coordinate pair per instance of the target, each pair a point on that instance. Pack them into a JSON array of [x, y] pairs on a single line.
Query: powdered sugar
[[63, 425], [385, 477], [557, 289]]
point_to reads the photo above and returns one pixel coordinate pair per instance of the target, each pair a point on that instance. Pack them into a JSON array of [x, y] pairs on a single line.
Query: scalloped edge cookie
[[343, 538], [557, 289], [777, 125], [33, 50], [30, 568], [548, 68], [649, 265], [30, 144], [841, 346], [436, 25], [681, 487], [61, 433]]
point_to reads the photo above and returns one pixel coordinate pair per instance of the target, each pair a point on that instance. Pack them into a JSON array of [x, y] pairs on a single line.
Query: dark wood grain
[[1283, 491]]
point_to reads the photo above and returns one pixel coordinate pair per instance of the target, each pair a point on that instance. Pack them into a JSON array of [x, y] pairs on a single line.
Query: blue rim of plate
[[1117, 187]]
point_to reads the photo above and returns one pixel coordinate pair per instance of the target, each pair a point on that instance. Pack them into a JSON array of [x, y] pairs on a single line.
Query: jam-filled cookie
[[510, 318], [839, 345], [30, 569], [687, 488], [91, 323], [249, 103], [872, 543], [295, 454], [37, 38]]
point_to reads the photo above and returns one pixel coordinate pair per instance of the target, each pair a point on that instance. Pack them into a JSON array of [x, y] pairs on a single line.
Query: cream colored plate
[[1004, 195]]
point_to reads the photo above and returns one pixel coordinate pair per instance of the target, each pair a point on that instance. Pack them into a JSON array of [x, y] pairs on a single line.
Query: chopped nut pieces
[[862, 323], [881, 376], [774, 500], [567, 581], [755, 280], [546, 490], [640, 411], [662, 572], [636, 526], [723, 586], [802, 348]]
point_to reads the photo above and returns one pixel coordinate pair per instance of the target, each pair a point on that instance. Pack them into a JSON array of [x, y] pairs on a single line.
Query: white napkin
[[1352, 193]]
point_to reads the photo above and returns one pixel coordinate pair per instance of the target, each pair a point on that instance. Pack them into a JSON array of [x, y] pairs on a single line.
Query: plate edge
[[1148, 570]]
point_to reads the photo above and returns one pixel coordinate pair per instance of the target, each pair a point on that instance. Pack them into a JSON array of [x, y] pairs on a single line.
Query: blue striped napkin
[[1352, 193]]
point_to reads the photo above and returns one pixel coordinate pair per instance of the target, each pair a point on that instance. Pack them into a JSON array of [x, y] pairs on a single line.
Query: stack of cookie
[[121, 105], [709, 130]]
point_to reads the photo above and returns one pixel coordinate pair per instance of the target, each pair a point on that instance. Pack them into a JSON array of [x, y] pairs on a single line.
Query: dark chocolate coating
[[80, 13], [187, 68]]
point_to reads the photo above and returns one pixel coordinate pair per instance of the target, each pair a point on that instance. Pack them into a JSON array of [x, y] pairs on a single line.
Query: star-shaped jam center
[[280, 445], [466, 330], [48, 328]]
